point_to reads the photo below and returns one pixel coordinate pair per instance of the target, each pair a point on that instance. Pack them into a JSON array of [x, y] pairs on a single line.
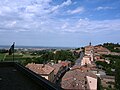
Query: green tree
[[117, 75]]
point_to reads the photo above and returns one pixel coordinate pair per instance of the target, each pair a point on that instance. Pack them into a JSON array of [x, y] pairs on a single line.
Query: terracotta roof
[[40, 68], [89, 46], [65, 63], [86, 56], [107, 77], [56, 67], [73, 79], [94, 69], [76, 79], [90, 74], [76, 67], [82, 68], [102, 60], [100, 48]]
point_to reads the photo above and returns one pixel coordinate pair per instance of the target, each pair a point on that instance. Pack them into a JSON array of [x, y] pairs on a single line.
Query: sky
[[61, 23]]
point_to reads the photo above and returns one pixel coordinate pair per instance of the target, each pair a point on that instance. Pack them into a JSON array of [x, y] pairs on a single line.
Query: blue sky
[[68, 23]]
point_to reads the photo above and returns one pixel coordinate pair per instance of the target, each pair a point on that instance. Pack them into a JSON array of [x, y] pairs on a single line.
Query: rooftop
[[56, 67], [73, 79], [76, 79], [101, 48], [65, 63], [107, 77], [82, 68], [14, 76], [89, 47], [40, 68]]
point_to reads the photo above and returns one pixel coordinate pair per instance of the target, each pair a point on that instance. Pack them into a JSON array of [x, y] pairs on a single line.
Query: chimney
[[43, 64]]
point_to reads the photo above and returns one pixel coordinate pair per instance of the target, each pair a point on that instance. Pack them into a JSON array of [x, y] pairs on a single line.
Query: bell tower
[[90, 44]]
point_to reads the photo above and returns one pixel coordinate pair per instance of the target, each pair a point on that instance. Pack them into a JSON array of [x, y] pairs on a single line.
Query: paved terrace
[[14, 76]]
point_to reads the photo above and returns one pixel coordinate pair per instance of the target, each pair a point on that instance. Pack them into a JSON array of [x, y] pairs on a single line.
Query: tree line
[[112, 47], [114, 64], [47, 56]]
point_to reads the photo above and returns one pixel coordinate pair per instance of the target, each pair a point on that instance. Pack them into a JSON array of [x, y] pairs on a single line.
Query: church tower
[[90, 44]]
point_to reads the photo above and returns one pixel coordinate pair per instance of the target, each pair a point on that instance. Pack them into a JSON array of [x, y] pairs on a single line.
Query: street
[[78, 61]]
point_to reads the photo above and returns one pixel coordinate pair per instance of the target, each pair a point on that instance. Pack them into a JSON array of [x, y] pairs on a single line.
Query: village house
[[107, 81], [44, 70], [97, 71], [58, 71], [101, 50], [86, 60], [83, 68], [77, 79], [66, 64], [97, 57], [89, 50]]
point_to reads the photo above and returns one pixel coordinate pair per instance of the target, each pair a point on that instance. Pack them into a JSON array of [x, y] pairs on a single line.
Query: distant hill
[[46, 47], [112, 47]]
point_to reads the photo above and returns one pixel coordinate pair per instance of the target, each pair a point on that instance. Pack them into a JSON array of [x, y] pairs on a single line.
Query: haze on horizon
[[68, 23]]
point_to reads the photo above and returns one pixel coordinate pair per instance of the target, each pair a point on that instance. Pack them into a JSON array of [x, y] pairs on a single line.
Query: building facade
[[44, 70]]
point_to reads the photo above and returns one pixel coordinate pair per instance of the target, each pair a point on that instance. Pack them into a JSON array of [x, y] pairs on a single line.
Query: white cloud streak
[[67, 3], [103, 8], [77, 10]]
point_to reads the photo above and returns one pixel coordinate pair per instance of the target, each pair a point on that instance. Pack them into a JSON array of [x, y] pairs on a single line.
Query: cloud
[[77, 10], [93, 26], [103, 8], [66, 3], [38, 16], [28, 14], [65, 25]]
